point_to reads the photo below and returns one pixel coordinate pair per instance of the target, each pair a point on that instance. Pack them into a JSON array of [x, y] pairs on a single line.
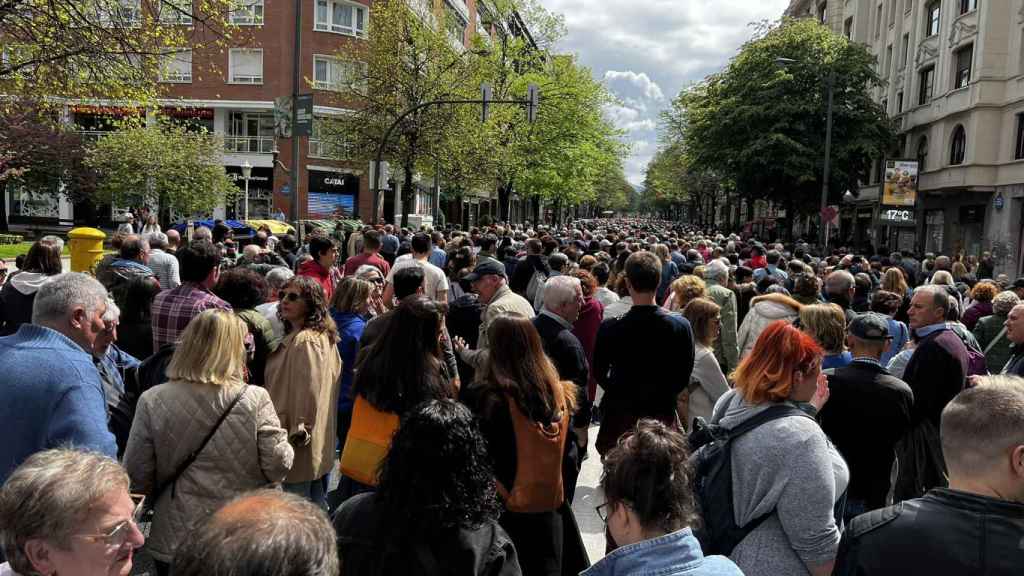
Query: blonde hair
[[826, 323], [686, 288], [211, 350], [702, 314], [894, 281], [351, 293], [662, 252]]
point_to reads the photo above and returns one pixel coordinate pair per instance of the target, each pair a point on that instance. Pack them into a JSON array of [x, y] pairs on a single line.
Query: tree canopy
[[761, 121]]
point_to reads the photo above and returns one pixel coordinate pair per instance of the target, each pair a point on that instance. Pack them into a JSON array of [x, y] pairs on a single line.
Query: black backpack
[[711, 462]]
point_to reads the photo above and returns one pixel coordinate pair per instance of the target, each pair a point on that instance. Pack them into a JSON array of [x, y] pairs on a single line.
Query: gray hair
[[560, 290], [56, 240], [277, 277], [156, 240], [113, 313], [839, 282], [940, 297], [50, 496], [1004, 302], [942, 278], [367, 269], [716, 270], [261, 532], [56, 299], [251, 251], [202, 233]]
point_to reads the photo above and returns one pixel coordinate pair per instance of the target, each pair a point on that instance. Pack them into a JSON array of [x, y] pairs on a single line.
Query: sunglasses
[[118, 535], [288, 296]]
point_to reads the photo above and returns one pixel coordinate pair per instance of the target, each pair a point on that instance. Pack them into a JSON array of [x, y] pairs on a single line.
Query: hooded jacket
[[786, 468], [313, 269], [16, 299], [763, 311]]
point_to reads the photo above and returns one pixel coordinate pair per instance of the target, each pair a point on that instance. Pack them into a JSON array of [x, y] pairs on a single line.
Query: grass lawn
[[11, 251]]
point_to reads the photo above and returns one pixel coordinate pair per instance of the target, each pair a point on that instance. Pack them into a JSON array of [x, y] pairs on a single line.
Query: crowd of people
[[758, 408]]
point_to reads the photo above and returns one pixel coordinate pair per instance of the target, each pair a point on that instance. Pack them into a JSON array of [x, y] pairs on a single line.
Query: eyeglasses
[[377, 280], [289, 296], [118, 535], [603, 511]]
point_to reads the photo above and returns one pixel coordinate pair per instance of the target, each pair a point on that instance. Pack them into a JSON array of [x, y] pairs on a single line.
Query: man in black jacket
[[972, 527], [1015, 334], [868, 412], [643, 359], [563, 298]]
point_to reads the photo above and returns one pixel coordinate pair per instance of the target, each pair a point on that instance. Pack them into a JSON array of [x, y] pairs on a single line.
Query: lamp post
[[246, 174], [830, 87]]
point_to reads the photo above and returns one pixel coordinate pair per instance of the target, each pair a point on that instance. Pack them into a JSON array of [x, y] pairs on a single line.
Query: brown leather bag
[[539, 448]]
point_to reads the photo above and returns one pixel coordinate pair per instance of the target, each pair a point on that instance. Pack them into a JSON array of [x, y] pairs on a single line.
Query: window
[[121, 13], [888, 60], [885, 106], [922, 153], [962, 73], [176, 12], [848, 28], [245, 66], [247, 13], [958, 146], [334, 74], [927, 84], [455, 24], [899, 102], [878, 22], [908, 5], [931, 19], [823, 13], [1018, 151], [326, 141], [340, 17], [176, 67], [904, 50], [892, 13], [968, 6]]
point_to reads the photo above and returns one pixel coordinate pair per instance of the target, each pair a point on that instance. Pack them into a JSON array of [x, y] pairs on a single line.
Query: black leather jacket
[[944, 532]]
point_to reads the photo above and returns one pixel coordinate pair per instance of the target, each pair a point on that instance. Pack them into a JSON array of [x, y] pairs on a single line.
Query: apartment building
[[953, 74], [231, 91]]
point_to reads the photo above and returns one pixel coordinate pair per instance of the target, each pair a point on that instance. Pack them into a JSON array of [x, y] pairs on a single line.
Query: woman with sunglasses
[[205, 393], [302, 378], [650, 508], [372, 274], [70, 513]]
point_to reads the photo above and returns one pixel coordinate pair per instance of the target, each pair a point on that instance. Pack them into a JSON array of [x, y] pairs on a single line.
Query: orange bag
[[539, 448], [368, 442]]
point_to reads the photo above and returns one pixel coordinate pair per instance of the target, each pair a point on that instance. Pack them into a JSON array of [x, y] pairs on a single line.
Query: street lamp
[[246, 174], [830, 86]]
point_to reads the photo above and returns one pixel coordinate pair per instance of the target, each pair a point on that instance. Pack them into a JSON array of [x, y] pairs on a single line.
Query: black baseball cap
[[870, 326], [485, 267], [1019, 282]]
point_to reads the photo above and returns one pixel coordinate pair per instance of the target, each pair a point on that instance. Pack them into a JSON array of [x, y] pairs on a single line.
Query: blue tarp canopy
[[238, 228]]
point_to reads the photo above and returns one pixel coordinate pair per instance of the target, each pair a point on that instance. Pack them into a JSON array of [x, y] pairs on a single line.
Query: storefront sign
[[897, 216], [188, 113], [332, 194], [900, 183], [304, 115], [260, 177]]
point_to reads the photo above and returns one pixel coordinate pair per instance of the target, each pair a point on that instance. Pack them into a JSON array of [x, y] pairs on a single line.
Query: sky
[[646, 51]]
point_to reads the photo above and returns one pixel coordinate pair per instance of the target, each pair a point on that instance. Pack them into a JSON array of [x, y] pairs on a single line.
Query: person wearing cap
[[1018, 287], [489, 282], [867, 414]]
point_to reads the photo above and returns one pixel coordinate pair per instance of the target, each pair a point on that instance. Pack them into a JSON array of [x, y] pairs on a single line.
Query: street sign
[[283, 116], [304, 115], [533, 95], [486, 93], [896, 215]]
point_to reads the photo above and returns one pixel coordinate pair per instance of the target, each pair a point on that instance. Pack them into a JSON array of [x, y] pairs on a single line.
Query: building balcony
[[249, 144]]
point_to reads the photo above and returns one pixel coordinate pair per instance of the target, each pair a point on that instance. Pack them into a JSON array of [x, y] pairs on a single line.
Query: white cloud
[[649, 87], [647, 50]]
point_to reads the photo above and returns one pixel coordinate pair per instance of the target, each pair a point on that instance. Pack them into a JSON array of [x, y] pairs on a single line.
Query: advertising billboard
[[900, 188]]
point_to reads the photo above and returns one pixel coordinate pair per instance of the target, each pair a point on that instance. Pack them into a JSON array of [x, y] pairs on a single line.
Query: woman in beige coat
[[302, 378], [249, 449]]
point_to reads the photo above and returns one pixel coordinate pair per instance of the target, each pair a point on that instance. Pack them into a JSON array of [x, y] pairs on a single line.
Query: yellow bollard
[[86, 248]]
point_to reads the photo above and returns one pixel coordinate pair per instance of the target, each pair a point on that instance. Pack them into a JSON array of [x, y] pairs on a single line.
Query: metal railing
[[249, 144]]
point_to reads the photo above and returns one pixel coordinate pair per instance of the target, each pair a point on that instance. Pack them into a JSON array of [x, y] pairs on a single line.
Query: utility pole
[[293, 211], [823, 240]]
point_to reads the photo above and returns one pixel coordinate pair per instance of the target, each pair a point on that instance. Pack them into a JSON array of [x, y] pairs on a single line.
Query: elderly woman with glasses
[[68, 512], [373, 275]]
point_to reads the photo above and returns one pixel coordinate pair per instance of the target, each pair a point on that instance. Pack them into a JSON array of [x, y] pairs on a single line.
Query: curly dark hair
[[317, 315], [648, 471], [437, 473], [242, 288]]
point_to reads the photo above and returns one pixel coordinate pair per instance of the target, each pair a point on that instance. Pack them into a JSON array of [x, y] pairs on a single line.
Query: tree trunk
[[504, 194], [535, 209], [407, 195], [3, 207]]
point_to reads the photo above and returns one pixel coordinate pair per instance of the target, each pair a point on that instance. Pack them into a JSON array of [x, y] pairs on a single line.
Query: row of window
[[963, 60], [245, 66], [958, 145], [336, 16], [931, 16]]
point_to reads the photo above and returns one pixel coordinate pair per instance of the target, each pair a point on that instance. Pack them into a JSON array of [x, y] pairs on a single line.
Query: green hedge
[[10, 239]]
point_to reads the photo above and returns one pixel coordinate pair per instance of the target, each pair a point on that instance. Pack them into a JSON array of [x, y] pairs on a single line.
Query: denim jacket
[[668, 555]]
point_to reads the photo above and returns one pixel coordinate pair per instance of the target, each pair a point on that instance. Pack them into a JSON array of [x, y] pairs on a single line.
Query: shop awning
[[276, 226]]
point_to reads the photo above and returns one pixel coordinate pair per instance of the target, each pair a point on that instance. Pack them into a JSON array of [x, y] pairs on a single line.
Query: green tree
[[164, 164], [110, 49], [408, 60], [762, 124]]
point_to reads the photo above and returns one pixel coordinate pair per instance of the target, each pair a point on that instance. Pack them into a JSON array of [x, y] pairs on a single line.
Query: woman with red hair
[[785, 469]]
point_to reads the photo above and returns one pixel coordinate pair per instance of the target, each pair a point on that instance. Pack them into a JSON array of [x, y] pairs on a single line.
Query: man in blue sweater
[[51, 389]]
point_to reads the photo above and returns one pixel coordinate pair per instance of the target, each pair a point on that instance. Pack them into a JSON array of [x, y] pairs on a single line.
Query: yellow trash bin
[[86, 248]]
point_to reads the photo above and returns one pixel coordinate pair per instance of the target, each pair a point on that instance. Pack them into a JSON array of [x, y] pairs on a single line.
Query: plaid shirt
[[173, 309]]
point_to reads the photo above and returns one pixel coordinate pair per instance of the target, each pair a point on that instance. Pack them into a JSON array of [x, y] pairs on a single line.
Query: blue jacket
[[672, 554], [52, 397], [350, 330]]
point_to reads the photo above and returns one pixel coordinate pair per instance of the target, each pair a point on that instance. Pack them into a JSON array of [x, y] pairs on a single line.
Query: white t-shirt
[[434, 280]]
